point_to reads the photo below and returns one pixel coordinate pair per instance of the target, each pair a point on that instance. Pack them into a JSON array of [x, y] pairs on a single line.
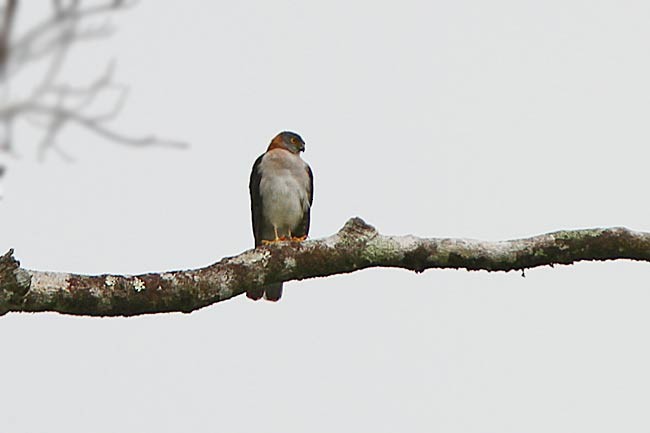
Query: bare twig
[[52, 39], [356, 246], [95, 124], [8, 16], [61, 14]]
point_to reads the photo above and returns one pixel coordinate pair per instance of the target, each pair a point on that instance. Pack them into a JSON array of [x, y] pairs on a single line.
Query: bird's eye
[[293, 140]]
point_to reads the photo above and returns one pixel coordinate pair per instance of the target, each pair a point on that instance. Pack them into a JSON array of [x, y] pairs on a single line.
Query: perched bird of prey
[[282, 190]]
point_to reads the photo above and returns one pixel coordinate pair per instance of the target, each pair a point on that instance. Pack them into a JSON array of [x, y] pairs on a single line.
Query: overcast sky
[[489, 120]]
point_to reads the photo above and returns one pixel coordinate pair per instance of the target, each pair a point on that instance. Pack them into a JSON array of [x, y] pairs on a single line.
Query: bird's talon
[[298, 238], [276, 240]]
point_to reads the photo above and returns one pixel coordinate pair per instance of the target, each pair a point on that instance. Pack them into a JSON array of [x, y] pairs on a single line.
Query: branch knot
[[14, 282], [357, 229]]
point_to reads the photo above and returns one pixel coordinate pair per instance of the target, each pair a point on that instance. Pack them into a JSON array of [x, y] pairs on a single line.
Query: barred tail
[[273, 292], [255, 293]]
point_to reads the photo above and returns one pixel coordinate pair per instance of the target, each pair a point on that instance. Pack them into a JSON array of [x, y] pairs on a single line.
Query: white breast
[[284, 188]]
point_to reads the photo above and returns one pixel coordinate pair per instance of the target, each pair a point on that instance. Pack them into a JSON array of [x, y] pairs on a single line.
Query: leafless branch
[[61, 14], [356, 246], [60, 115], [8, 17], [53, 104]]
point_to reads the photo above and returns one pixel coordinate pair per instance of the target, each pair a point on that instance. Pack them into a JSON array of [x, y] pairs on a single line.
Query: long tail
[[272, 292], [255, 293]]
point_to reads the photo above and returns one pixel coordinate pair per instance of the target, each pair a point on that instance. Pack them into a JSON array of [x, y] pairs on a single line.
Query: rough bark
[[356, 246]]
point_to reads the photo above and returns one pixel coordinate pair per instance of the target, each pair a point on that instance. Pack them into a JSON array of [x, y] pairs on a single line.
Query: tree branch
[[356, 246], [61, 15], [54, 104], [8, 14]]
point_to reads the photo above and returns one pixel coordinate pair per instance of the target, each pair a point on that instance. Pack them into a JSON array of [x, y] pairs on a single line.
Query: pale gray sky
[[489, 120]]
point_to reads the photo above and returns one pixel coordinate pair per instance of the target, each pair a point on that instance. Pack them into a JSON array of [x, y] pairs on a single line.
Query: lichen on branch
[[356, 246]]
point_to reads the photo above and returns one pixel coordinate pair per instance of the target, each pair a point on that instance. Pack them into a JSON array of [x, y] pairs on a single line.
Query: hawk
[[282, 190]]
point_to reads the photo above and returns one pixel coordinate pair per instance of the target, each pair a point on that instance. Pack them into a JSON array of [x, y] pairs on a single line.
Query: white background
[[490, 120]]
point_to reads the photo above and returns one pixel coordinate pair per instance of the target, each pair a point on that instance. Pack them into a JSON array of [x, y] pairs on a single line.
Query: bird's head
[[289, 141]]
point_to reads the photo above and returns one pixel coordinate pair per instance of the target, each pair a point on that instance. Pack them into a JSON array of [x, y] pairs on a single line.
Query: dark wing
[[303, 229], [256, 201]]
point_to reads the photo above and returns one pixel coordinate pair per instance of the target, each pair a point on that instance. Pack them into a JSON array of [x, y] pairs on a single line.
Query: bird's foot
[[274, 241], [298, 238]]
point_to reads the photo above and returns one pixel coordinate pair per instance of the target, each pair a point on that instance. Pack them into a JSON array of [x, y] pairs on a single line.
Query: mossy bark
[[356, 246]]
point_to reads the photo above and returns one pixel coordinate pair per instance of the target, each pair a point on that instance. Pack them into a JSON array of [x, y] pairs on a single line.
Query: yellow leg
[[277, 238]]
